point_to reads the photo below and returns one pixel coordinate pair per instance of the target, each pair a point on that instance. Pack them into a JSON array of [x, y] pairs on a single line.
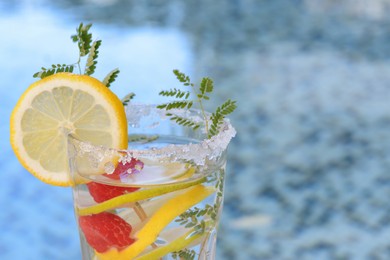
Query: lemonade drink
[[149, 203]]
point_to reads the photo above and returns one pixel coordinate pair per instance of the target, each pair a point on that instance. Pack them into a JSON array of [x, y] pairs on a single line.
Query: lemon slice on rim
[[52, 108]]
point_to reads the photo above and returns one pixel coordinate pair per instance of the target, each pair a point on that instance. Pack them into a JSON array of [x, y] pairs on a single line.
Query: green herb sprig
[[184, 254], [88, 51], [183, 101], [55, 68]]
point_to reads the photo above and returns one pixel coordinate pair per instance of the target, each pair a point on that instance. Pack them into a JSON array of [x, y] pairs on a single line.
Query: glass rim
[[200, 152]]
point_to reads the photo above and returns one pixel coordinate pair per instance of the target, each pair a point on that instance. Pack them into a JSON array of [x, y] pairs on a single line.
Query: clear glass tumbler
[[159, 199]]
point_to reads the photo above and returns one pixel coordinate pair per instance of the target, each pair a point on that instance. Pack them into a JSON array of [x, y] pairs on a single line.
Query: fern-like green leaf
[[92, 58], [228, 107], [184, 254], [110, 78], [177, 104], [212, 124], [55, 68], [83, 39], [219, 115], [177, 93], [183, 78], [126, 99], [184, 121], [206, 86]]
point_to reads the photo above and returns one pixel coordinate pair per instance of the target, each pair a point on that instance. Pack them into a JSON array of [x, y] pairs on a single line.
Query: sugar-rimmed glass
[[175, 176]]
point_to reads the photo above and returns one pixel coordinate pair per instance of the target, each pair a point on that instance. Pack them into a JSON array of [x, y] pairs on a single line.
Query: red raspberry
[[106, 230], [102, 192], [124, 169]]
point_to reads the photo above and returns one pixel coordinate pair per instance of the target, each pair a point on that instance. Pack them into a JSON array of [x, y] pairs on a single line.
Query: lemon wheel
[[59, 105]]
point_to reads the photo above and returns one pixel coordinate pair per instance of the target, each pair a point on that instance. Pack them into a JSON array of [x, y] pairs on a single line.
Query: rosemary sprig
[[182, 101]]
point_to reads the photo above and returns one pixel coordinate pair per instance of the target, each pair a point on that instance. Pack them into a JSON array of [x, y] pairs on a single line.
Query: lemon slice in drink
[[59, 105]]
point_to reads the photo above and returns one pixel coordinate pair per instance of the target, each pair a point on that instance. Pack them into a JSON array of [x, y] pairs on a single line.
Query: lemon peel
[[158, 221], [137, 196], [58, 105], [176, 245]]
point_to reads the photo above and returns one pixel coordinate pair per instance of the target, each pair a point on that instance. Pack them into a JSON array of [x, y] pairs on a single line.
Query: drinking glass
[[159, 199]]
